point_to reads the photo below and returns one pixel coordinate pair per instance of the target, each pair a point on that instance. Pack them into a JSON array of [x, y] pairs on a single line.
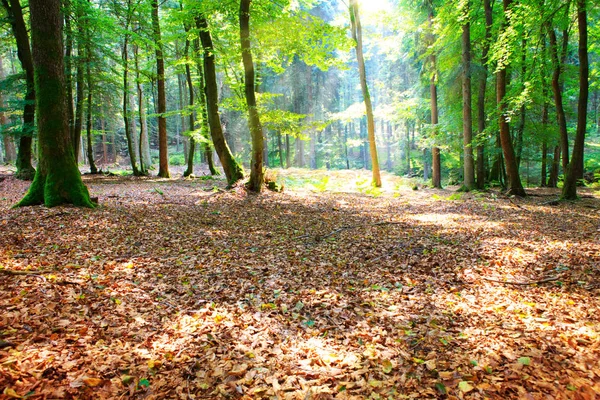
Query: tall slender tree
[[163, 145], [468, 161], [575, 168], [233, 170], [512, 170], [357, 36], [256, 166]]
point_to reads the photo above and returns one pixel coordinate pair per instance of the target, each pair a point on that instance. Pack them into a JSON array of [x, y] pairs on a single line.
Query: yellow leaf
[[93, 382], [375, 383], [11, 393], [387, 366]]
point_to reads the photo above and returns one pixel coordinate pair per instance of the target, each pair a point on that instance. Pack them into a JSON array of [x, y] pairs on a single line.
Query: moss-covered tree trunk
[[256, 167], [233, 170], [357, 35], [575, 169], [163, 145], [57, 180], [14, 11]]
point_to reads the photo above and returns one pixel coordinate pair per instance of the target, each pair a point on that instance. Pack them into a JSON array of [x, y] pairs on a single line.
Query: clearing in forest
[[181, 289]]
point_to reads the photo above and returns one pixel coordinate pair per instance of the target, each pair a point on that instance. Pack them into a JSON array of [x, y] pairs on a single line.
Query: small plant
[[271, 181], [320, 185]]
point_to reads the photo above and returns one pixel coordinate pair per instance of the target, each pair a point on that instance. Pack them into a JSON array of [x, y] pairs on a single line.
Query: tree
[[57, 179], [163, 146], [256, 167], [357, 36], [575, 168], [481, 114], [25, 170], [469, 167], [512, 170], [233, 170]]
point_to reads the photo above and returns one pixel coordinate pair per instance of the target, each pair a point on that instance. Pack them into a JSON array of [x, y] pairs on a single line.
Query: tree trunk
[[163, 145], [280, 148], [144, 146], [481, 114], [90, 146], [69, 64], [57, 179], [468, 161], [7, 140], [407, 149], [233, 170], [512, 170], [553, 179], [357, 35], [575, 169], [205, 126], [25, 170], [126, 117], [256, 167], [558, 60], [521, 125], [288, 153], [436, 164]]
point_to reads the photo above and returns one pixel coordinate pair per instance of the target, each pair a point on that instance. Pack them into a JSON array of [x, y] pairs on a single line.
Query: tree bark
[[57, 179], [144, 146], [126, 117], [7, 140], [357, 35], [558, 60], [233, 170], [90, 145], [468, 161], [436, 164], [163, 145], [25, 170], [575, 169], [481, 115], [522, 112], [256, 167], [512, 170]]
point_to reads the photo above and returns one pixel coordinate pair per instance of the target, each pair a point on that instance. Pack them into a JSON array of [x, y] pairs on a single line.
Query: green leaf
[[441, 388], [474, 363], [126, 379], [464, 386], [310, 323], [387, 366], [524, 360], [144, 382], [571, 387]]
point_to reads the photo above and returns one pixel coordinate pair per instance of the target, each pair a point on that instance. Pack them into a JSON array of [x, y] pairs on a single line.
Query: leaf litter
[[201, 293]]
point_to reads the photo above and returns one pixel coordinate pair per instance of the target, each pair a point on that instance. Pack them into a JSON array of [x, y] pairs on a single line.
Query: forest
[[299, 199]]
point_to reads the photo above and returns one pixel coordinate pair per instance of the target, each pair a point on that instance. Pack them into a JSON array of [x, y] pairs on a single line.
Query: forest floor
[[181, 289]]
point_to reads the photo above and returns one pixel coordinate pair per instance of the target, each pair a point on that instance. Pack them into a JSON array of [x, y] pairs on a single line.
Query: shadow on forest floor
[[178, 289]]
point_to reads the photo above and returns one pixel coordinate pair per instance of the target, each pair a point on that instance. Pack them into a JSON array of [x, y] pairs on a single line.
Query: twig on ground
[[23, 273], [546, 280]]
